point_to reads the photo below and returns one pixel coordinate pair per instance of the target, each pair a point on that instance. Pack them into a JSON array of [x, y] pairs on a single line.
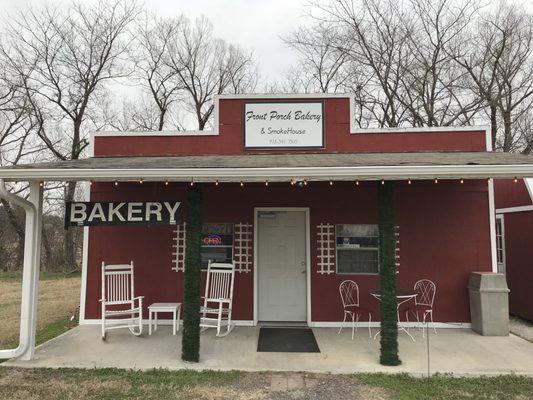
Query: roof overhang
[[273, 174], [311, 167]]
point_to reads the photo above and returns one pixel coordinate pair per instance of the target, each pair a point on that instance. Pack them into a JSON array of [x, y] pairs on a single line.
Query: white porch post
[[30, 273]]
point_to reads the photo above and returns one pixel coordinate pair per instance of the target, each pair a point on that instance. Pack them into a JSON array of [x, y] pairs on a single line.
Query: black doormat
[[287, 340]]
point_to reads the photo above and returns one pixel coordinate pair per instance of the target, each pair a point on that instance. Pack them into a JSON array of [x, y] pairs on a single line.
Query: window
[[357, 249], [500, 244], [217, 243]]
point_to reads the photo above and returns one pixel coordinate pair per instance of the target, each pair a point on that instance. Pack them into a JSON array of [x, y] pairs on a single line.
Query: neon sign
[[212, 240]]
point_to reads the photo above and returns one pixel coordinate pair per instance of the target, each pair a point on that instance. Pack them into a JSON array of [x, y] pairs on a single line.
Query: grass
[[405, 387], [16, 276], [112, 384], [104, 384], [58, 299], [49, 331]]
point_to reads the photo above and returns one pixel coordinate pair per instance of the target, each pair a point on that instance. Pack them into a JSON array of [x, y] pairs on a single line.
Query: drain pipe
[[30, 272]]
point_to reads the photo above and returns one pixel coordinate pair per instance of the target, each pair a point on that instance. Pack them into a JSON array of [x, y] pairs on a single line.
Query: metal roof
[[312, 166]]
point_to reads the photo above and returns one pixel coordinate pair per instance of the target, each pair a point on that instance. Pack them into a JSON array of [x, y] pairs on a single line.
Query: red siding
[[337, 131], [508, 193], [519, 262], [518, 244], [444, 227], [444, 233]]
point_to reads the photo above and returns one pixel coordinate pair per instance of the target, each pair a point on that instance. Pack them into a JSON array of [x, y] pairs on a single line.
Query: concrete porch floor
[[458, 351]]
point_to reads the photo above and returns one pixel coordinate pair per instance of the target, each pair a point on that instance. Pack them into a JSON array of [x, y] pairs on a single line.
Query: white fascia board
[[282, 96], [274, 174], [438, 129], [529, 186], [514, 209], [127, 134]]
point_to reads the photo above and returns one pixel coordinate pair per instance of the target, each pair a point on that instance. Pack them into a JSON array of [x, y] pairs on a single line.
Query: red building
[[294, 240], [514, 227], [290, 195]]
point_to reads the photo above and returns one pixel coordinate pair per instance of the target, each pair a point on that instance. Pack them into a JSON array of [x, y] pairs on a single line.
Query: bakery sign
[[283, 125], [122, 213]]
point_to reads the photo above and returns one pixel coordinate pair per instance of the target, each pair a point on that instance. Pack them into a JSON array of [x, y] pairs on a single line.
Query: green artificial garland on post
[[190, 346], [387, 275]]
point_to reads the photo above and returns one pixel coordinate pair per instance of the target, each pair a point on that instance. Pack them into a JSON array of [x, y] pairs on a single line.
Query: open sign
[[212, 240]]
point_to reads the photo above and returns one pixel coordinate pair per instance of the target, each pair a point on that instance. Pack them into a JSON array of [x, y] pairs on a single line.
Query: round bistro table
[[402, 296]]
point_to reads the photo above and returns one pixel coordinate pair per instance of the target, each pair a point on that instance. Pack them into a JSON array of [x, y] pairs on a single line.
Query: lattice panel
[[397, 249], [326, 248], [179, 247], [242, 247]]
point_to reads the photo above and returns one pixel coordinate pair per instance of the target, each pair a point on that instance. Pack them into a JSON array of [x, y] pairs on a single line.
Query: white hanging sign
[[283, 125]]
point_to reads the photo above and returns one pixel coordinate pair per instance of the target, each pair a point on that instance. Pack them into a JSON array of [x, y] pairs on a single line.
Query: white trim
[[529, 186], [85, 248], [488, 137], [513, 209], [282, 96], [411, 129], [492, 226], [501, 217], [152, 133], [318, 324], [439, 325], [164, 321], [255, 312], [272, 173], [306, 210], [84, 266], [85, 258]]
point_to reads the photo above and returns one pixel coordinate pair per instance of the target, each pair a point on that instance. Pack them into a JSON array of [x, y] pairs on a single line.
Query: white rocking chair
[[118, 300], [218, 299]]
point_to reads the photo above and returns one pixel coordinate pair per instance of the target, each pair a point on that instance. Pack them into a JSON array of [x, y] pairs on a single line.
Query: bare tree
[[206, 66], [153, 38], [16, 126], [322, 64], [140, 114], [375, 38], [432, 85], [64, 56], [499, 59]]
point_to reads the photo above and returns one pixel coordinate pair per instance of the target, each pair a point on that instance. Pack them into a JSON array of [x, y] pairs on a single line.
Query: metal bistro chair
[[349, 292], [218, 299], [118, 300], [423, 307]]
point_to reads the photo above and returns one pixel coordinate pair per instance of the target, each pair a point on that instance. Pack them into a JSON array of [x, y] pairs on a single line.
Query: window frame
[[500, 239], [202, 246], [337, 272]]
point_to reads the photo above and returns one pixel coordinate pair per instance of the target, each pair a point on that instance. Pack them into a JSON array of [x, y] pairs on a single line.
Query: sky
[[253, 24]]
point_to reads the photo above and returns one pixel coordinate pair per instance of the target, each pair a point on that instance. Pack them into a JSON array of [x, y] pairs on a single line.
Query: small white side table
[[174, 308]]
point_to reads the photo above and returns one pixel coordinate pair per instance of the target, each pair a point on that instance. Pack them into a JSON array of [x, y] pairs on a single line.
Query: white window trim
[[355, 273], [500, 219]]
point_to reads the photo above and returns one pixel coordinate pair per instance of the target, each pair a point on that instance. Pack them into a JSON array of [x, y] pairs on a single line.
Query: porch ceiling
[[281, 167]]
